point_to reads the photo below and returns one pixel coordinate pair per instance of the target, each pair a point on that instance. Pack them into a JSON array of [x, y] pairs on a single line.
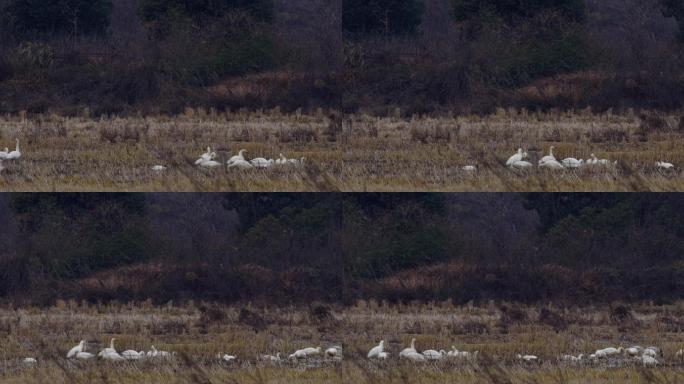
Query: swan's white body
[[153, 352], [647, 361], [29, 360], [415, 357], [84, 356], [206, 156], [271, 358], [239, 157], [132, 355], [680, 354], [571, 162], [663, 165], [73, 351], [605, 352], [411, 349], [469, 168], [260, 162], [551, 164], [3, 154], [519, 156], [528, 358], [550, 157], [158, 168], [572, 359], [651, 351], [333, 352], [112, 356], [522, 165], [311, 351], [375, 351], [240, 164], [431, 354], [209, 164], [281, 160], [383, 355], [14, 154], [108, 351], [633, 351], [228, 358]]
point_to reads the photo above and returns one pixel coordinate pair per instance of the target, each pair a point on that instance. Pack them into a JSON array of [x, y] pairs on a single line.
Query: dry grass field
[[361, 153], [197, 334]]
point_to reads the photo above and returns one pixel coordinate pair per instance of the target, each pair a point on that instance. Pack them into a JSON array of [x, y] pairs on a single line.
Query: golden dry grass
[[369, 154], [48, 333]]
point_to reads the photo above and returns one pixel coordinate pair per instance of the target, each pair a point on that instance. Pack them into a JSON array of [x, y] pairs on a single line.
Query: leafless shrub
[[553, 319], [419, 134], [130, 134], [513, 314], [242, 135], [109, 134], [252, 319]]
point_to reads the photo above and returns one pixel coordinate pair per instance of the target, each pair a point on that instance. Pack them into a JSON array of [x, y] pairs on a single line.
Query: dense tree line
[[119, 56], [337, 247]]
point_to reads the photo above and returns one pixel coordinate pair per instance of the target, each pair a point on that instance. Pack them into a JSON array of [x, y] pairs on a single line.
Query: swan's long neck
[[111, 344], [17, 145], [413, 343]]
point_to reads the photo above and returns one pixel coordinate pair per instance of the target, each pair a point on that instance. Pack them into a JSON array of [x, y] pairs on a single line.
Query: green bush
[[28, 18], [388, 17]]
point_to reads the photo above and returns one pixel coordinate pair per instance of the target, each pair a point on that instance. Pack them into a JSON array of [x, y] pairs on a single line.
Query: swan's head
[[524, 155], [242, 152], [413, 342], [442, 352], [382, 343], [212, 155]]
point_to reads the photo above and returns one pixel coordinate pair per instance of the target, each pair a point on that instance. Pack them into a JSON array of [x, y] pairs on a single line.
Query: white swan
[[605, 352], [228, 358], [633, 351], [3, 154], [311, 351], [108, 350], [411, 349], [680, 354], [260, 162], [663, 165], [550, 157], [153, 352], [651, 351], [73, 351], [333, 351], [522, 165], [29, 360], [298, 354], [239, 157], [209, 164], [551, 164], [431, 354], [647, 361], [469, 168], [527, 358], [84, 356], [415, 357], [519, 156], [296, 162], [375, 351], [14, 154], [271, 358], [158, 168], [240, 164], [383, 355], [571, 162], [132, 355], [206, 156], [281, 160]]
